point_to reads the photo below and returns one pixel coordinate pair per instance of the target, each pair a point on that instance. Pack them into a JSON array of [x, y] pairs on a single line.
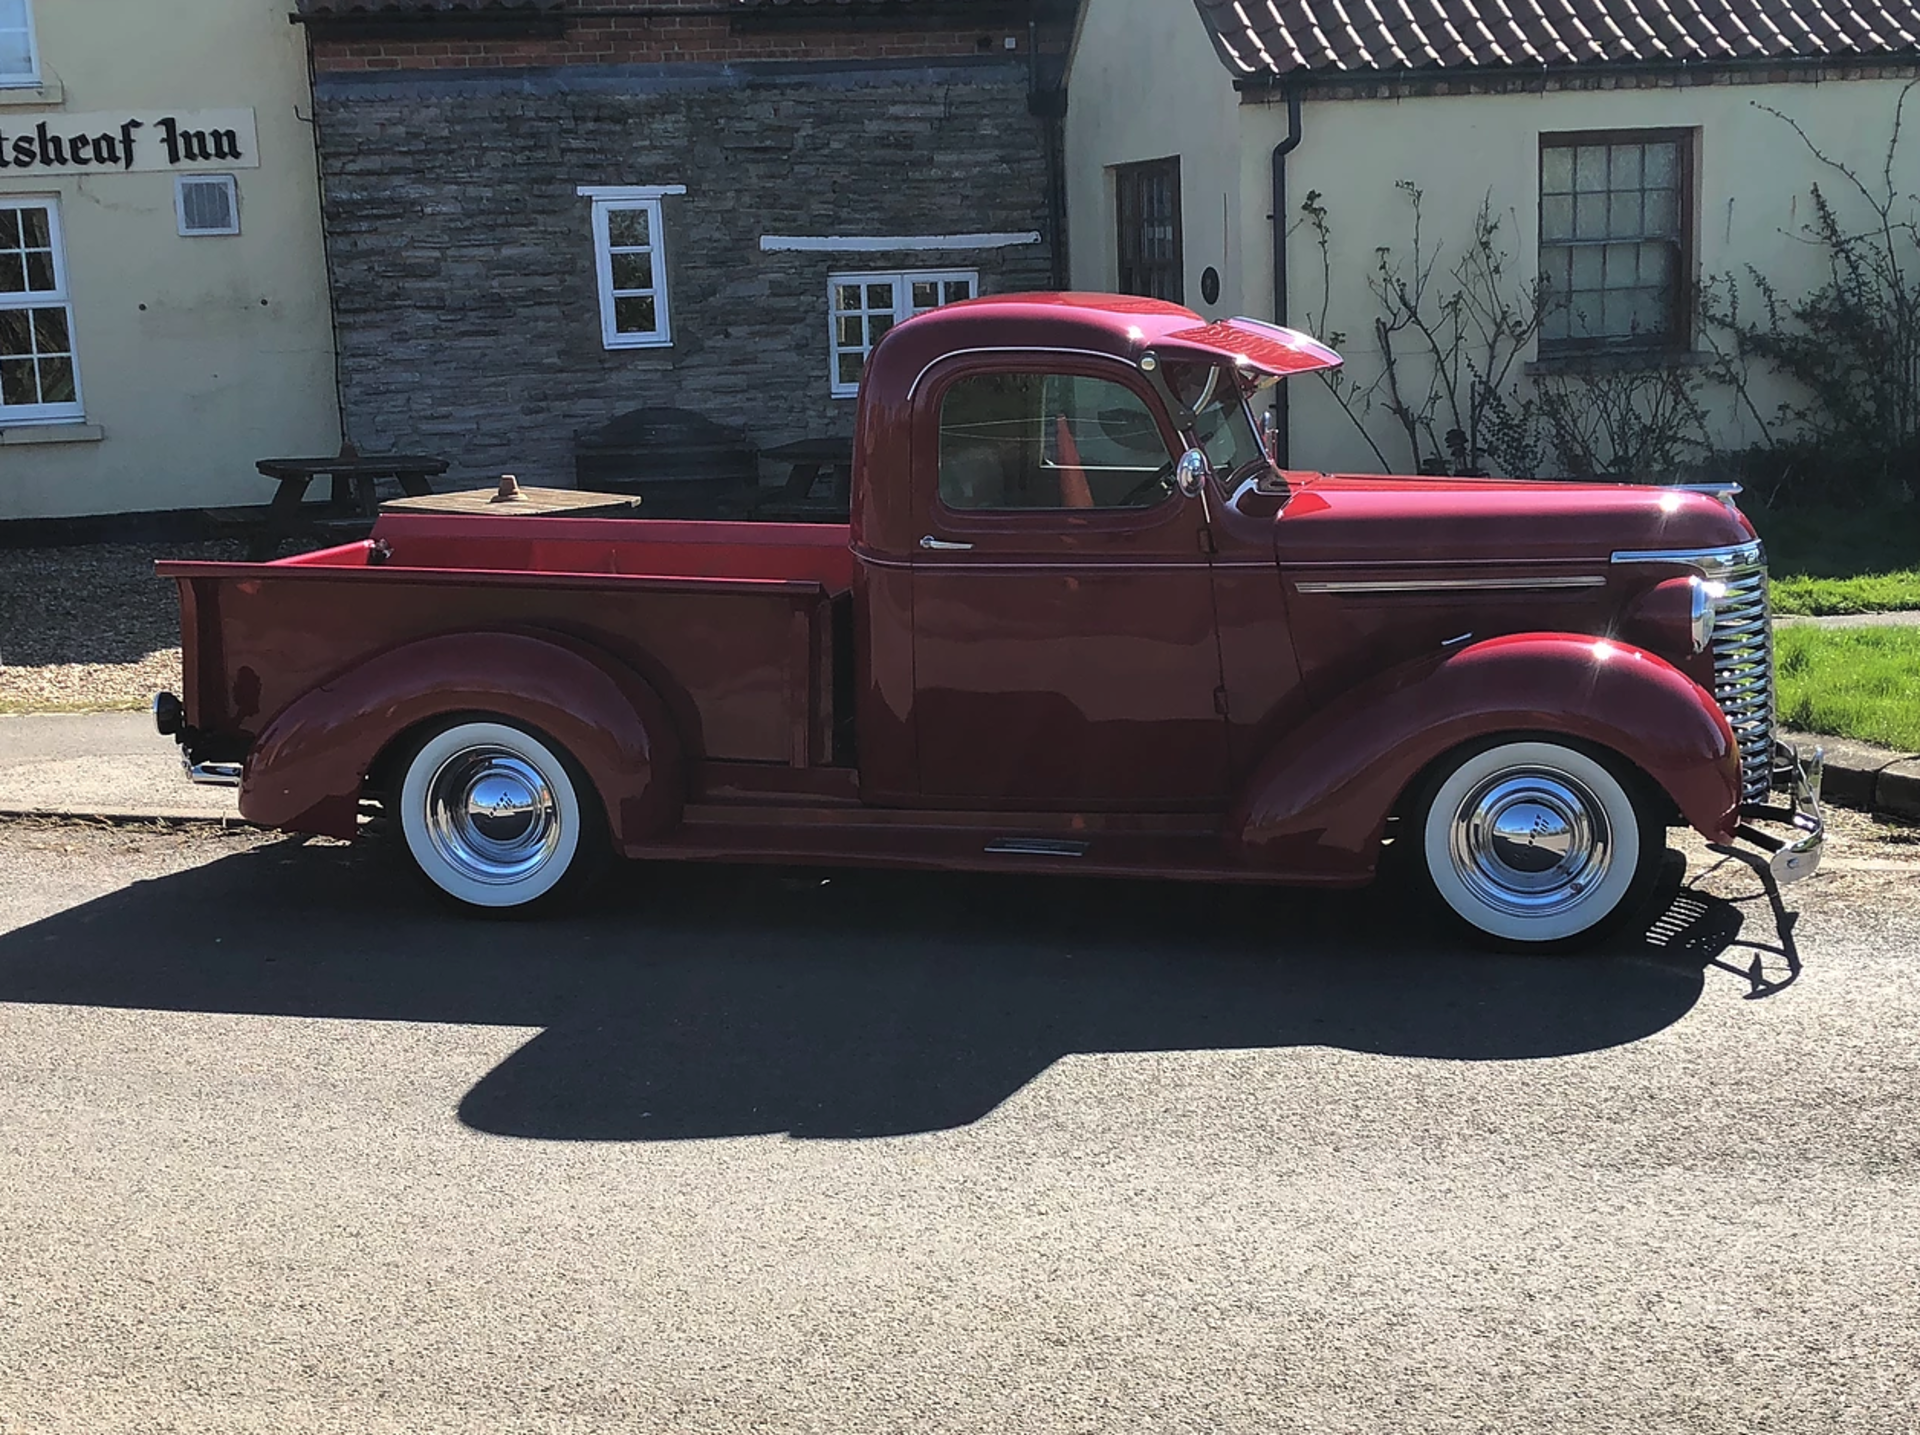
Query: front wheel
[[497, 819], [1537, 845]]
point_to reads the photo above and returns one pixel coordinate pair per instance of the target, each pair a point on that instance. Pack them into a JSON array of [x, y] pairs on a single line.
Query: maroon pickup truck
[[1079, 622]]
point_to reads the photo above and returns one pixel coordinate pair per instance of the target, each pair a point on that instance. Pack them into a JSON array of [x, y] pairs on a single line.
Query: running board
[[1035, 847]]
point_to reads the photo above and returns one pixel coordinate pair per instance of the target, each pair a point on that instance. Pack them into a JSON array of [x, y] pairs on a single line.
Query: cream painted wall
[[1752, 177], [1144, 84], [197, 356]]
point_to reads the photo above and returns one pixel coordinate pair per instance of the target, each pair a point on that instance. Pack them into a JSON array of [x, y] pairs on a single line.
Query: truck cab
[[1078, 622]]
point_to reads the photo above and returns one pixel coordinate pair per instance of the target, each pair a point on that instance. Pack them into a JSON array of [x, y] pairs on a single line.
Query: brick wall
[[462, 261]]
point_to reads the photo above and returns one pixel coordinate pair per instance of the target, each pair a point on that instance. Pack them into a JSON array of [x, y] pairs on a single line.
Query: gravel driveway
[[90, 629]]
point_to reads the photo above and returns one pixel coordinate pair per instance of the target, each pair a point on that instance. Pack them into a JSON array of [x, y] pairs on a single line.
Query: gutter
[[1282, 435]]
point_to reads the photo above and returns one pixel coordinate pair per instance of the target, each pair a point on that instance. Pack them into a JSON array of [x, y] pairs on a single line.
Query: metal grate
[[207, 204], [1743, 672]]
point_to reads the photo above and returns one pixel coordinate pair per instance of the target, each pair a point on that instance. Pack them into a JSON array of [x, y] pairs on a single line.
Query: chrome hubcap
[[492, 815], [1530, 841]]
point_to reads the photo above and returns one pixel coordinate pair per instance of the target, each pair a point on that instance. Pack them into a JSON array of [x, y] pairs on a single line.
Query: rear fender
[[1318, 804], [306, 770]]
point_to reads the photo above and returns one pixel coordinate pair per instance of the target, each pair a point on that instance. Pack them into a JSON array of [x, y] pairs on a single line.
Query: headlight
[[1706, 595]]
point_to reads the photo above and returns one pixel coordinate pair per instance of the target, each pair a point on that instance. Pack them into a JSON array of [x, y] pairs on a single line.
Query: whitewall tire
[[1537, 844], [495, 817]]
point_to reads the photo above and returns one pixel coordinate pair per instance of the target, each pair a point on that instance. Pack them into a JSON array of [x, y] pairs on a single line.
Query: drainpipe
[[1282, 438]]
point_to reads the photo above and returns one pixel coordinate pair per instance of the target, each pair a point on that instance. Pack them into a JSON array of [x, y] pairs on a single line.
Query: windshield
[[1221, 422]]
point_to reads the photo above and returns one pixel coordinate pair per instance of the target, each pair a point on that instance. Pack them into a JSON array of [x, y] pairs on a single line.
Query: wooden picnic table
[[354, 478], [809, 459]]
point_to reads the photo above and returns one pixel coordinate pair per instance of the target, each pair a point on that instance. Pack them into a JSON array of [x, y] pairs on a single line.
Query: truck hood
[[1350, 520]]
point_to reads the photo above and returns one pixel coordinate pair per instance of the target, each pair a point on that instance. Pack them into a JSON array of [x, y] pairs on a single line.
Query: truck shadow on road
[[708, 1001]]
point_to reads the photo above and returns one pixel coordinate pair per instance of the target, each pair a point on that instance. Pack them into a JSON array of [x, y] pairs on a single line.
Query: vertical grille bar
[[1743, 672]]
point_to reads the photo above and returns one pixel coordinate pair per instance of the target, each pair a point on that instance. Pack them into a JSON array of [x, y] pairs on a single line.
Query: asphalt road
[[283, 1148]]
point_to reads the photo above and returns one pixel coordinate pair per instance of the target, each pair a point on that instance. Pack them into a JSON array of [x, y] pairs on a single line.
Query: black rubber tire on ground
[[1536, 843], [496, 818]]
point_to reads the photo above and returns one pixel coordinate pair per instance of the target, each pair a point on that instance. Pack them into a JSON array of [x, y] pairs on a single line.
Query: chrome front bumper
[[1791, 857]]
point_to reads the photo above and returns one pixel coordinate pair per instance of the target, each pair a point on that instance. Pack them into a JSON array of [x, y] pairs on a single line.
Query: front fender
[[305, 771], [1318, 804]]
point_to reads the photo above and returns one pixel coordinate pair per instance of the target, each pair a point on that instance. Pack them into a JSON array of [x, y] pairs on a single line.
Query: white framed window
[[19, 61], [862, 307], [39, 378], [630, 260], [206, 204]]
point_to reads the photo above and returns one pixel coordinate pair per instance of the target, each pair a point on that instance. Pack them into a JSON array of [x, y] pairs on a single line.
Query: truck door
[[1064, 642]]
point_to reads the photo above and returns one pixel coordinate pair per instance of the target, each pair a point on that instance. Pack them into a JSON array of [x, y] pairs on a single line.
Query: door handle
[[940, 545]]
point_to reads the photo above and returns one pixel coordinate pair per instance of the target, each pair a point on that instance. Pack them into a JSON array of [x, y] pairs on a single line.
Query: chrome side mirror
[[1190, 475]]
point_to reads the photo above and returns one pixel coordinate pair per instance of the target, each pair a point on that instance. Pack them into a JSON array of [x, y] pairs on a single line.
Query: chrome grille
[[1743, 670], [1741, 645]]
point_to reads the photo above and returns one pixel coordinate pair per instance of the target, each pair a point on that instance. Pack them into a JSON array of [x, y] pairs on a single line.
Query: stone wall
[[462, 261]]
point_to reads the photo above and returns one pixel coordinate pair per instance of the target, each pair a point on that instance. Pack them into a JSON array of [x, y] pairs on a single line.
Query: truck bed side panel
[[733, 661]]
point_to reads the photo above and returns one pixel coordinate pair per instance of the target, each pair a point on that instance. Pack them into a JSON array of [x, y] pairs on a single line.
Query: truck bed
[[733, 623]]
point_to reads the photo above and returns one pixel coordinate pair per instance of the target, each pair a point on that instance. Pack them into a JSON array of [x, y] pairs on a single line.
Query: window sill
[[48, 92], [1618, 361], [51, 433], [625, 345]]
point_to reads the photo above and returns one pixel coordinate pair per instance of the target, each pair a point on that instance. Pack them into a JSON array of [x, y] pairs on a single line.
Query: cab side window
[[1051, 441]]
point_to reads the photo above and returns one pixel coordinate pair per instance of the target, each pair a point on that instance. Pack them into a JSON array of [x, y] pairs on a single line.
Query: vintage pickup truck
[[1079, 623]]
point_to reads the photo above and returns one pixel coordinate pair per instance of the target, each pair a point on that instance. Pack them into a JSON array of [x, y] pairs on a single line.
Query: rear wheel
[[498, 819], [1537, 845]]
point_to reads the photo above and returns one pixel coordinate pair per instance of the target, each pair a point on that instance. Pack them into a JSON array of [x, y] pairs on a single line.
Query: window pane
[[1590, 168], [1663, 165], [958, 289], [17, 383], [1556, 170], [1655, 267], [878, 324], [632, 271], [1556, 217], [1625, 170], [1662, 213], [851, 333], [1553, 324], [14, 59], [634, 315], [880, 296], [1049, 441], [1623, 267], [1590, 216], [1588, 271], [40, 271], [627, 227], [13, 273], [846, 296], [15, 336], [10, 228], [1623, 213], [926, 293], [50, 331], [35, 229], [849, 367], [56, 380]]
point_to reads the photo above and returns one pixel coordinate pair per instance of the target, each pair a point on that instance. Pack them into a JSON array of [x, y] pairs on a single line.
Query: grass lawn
[[1861, 683], [1830, 560]]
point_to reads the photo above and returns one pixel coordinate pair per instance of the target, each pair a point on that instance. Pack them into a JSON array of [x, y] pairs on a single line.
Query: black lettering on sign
[[106, 149], [193, 144], [226, 144], [52, 151], [23, 151], [82, 148], [170, 137], [5, 163], [126, 141]]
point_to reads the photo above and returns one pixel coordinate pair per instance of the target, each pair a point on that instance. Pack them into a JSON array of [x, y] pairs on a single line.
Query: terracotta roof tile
[[1276, 37]]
